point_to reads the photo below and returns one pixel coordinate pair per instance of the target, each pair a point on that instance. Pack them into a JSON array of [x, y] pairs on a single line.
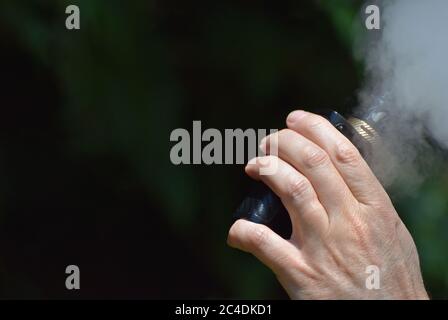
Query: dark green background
[[85, 175]]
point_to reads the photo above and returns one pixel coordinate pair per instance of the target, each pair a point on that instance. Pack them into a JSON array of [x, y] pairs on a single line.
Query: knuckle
[[259, 236], [313, 208], [359, 227], [314, 121], [314, 157], [295, 264], [361, 232], [285, 134], [380, 202], [298, 188], [348, 154], [358, 232]]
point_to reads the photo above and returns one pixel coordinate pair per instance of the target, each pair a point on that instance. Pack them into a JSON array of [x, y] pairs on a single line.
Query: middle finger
[[315, 164]]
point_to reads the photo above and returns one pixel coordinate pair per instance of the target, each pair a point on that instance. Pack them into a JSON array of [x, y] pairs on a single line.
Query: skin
[[343, 220]]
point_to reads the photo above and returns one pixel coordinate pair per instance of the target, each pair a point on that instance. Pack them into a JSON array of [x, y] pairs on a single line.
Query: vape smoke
[[407, 77]]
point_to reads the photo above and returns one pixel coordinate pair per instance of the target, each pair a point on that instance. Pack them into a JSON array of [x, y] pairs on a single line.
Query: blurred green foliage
[[139, 69]]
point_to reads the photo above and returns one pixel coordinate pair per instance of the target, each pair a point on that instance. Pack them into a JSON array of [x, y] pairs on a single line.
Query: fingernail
[[295, 116]]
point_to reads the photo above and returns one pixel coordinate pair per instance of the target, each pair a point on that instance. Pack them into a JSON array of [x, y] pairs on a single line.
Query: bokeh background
[[85, 175]]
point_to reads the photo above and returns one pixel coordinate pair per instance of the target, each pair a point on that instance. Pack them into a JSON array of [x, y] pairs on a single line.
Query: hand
[[343, 220]]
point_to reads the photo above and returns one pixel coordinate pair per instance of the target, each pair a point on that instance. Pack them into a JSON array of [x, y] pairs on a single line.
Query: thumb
[[278, 254]]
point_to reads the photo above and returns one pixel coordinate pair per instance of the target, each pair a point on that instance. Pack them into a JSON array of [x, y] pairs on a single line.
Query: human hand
[[343, 220]]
